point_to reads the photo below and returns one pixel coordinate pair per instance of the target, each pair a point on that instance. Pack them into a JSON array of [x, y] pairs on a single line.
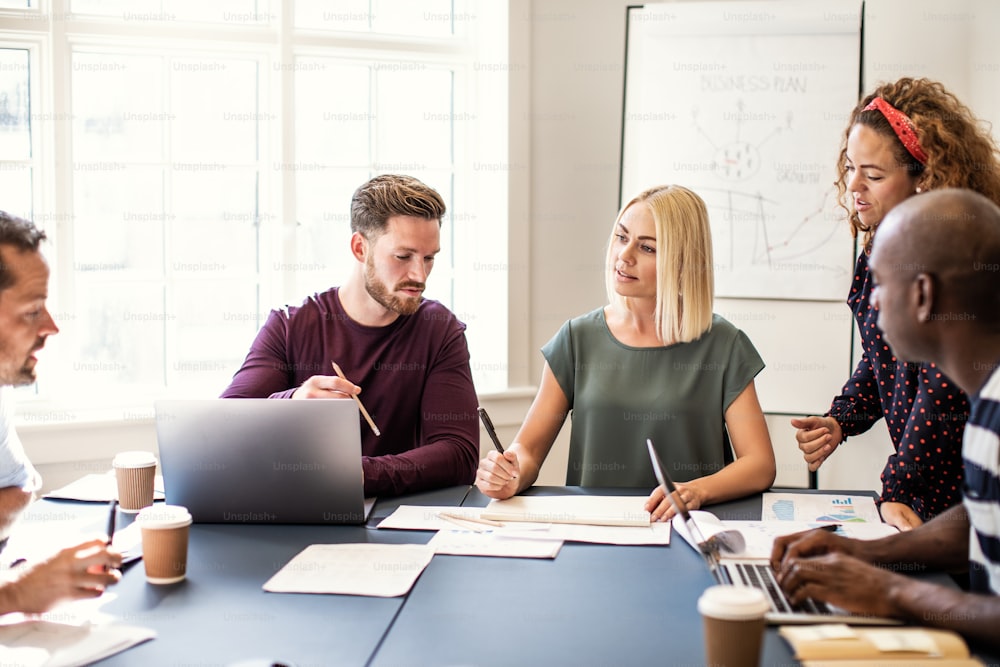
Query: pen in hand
[[364, 413], [112, 520], [488, 423]]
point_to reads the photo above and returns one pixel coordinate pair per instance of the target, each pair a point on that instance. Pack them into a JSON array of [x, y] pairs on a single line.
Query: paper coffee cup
[[165, 531], [135, 472], [733, 621]]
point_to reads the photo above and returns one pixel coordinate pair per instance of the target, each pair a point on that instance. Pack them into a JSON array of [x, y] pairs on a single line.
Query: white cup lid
[[733, 603], [163, 516], [134, 460]]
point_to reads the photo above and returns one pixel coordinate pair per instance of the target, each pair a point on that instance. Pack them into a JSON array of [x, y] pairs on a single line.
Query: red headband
[[902, 126]]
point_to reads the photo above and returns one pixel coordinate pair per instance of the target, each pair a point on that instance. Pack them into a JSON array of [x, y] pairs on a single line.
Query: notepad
[[587, 510]]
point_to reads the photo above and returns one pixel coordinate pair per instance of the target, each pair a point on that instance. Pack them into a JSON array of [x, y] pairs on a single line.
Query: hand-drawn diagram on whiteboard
[[746, 104]]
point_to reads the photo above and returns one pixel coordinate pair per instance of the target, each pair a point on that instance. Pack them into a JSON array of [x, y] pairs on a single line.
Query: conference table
[[592, 605]]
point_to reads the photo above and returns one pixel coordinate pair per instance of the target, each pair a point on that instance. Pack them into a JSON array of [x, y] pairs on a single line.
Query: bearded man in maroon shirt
[[408, 354]]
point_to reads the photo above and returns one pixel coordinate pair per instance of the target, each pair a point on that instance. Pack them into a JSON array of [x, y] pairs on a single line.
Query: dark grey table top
[[593, 604]]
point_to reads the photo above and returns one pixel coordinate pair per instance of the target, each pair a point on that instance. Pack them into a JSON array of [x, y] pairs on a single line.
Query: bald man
[[936, 265]]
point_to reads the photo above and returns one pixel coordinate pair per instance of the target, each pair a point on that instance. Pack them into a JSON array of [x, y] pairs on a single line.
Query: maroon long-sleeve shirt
[[415, 379]]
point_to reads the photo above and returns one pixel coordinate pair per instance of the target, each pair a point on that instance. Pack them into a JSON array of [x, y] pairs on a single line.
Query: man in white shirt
[[80, 571]]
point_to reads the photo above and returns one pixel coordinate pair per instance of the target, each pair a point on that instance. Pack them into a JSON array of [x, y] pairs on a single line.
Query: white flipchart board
[[746, 104]]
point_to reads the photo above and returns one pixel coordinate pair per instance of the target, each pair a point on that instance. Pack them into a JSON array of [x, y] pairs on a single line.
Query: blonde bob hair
[[685, 280]]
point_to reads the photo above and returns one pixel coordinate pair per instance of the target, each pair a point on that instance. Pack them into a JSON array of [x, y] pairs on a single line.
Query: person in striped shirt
[[936, 264]]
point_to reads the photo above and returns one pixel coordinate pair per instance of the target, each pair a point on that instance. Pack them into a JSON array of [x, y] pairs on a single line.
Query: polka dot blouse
[[924, 410]]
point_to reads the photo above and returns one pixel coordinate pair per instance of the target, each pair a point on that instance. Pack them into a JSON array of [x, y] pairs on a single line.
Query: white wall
[[578, 66]]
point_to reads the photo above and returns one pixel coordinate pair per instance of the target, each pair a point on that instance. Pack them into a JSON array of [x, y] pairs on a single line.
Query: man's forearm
[[436, 465], [972, 615], [940, 544]]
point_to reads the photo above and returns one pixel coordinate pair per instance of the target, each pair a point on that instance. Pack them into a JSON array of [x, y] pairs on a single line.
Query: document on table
[[654, 533], [587, 510], [459, 542], [819, 507], [423, 517], [759, 535], [40, 535], [413, 517], [98, 488], [379, 570], [48, 644]]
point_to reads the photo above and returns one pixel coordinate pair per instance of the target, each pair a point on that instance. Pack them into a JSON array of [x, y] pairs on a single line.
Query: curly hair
[[961, 152]]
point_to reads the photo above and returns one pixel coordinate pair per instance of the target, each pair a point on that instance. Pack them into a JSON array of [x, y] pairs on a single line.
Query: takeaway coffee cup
[[165, 531], [733, 620], [135, 472]]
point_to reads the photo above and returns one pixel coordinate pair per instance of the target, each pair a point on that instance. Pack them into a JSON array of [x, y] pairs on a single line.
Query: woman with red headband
[[904, 138]]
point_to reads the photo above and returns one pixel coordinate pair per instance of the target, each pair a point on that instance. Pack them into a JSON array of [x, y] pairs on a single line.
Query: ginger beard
[[378, 291]]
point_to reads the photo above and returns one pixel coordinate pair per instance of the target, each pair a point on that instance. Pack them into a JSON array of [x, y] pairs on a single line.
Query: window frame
[[53, 33]]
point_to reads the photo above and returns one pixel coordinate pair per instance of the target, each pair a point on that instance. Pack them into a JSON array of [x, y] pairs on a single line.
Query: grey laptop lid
[[253, 460]]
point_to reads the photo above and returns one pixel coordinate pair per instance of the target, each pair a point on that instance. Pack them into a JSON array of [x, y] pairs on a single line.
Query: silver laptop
[[757, 573], [258, 460]]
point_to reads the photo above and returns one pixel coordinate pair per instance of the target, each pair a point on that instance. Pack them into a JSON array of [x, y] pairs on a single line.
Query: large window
[[193, 162]]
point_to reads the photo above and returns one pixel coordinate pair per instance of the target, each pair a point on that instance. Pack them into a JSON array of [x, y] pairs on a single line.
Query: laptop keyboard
[[760, 575]]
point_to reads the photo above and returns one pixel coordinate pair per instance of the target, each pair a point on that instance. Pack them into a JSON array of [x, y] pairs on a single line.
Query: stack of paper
[[472, 531]]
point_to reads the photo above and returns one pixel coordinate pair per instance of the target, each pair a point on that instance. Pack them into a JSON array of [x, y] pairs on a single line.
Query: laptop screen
[[248, 460]]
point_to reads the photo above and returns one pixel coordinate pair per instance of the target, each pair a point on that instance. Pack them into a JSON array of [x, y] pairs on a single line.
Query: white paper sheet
[[759, 535], [656, 533], [587, 510], [421, 517], [48, 644], [818, 507], [413, 517], [379, 570], [472, 543], [98, 488]]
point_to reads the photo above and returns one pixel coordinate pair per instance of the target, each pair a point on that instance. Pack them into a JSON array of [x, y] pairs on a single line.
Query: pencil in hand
[[368, 417]]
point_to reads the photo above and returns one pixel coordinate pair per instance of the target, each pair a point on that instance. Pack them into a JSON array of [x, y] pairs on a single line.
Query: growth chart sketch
[[746, 104]]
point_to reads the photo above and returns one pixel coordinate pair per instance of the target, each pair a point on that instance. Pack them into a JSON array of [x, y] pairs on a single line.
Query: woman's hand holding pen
[[498, 474], [660, 507]]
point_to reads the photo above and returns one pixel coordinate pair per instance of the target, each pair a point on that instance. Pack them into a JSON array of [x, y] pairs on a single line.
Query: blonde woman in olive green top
[[655, 362]]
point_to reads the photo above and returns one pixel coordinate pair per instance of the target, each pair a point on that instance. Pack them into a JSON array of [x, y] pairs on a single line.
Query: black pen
[[831, 527], [489, 429], [112, 520]]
